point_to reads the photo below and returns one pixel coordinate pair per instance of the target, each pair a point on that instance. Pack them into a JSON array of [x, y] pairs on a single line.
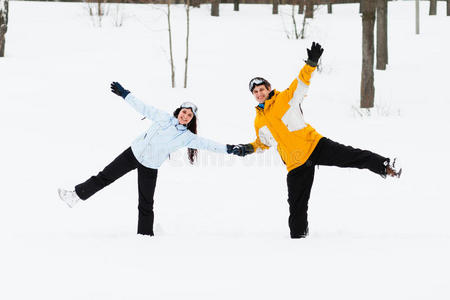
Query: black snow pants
[[123, 164], [300, 179]]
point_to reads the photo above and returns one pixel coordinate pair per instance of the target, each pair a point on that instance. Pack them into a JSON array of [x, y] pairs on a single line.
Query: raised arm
[[146, 110], [299, 86]]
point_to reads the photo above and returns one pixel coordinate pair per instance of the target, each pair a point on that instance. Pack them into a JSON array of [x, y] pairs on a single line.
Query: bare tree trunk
[[330, 8], [187, 45], [275, 7], [448, 7], [382, 34], [99, 8], [172, 68], [100, 12], [294, 22], [302, 34], [386, 28], [4, 9], [417, 17], [236, 5], [309, 9], [301, 6], [433, 7], [367, 76], [215, 8]]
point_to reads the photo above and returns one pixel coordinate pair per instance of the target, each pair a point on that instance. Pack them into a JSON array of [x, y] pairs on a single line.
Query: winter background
[[221, 226]]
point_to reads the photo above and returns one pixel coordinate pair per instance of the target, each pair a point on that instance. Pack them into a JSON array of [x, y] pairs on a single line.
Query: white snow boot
[[69, 197]]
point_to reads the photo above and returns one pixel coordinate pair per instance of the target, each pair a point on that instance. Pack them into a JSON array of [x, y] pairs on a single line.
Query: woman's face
[[185, 116]]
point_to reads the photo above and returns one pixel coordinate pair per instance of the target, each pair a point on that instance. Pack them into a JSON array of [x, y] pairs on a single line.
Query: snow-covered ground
[[221, 226]]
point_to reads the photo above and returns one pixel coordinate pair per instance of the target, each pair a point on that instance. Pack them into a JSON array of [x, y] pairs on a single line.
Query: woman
[[148, 151]]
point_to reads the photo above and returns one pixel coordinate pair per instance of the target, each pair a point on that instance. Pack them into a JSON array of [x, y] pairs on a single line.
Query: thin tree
[[448, 7], [330, 8], [309, 13], [4, 9], [172, 68], [302, 33], [275, 7], [97, 11], [301, 6], [187, 44], [215, 8], [368, 8], [294, 22], [304, 23], [433, 7], [100, 12], [382, 34], [99, 8], [236, 5], [417, 17]]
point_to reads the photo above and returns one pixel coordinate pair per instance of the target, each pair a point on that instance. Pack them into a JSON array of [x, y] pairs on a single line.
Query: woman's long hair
[[192, 126]]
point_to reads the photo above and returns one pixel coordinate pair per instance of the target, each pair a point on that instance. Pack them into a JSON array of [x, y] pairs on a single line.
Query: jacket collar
[[177, 125], [269, 100], [181, 127]]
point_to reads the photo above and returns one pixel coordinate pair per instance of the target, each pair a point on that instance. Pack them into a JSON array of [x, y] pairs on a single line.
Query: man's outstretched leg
[[330, 153], [299, 182]]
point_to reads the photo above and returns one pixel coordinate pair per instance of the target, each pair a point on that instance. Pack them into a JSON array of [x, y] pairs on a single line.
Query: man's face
[[261, 93]]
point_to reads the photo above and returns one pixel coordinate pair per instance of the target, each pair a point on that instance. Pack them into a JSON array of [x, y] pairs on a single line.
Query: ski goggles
[[257, 81], [190, 105]]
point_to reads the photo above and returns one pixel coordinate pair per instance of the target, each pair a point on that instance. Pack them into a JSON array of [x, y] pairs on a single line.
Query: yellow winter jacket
[[281, 123]]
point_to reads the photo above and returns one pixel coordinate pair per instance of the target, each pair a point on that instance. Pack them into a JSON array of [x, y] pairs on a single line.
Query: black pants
[[300, 179], [123, 164]]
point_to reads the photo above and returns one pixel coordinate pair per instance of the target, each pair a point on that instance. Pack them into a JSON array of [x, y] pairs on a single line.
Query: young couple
[[279, 121]]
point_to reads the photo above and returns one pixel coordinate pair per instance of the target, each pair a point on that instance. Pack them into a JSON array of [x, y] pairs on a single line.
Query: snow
[[221, 226]]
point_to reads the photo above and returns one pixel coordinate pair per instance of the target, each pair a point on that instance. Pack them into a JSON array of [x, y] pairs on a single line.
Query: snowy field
[[221, 226]]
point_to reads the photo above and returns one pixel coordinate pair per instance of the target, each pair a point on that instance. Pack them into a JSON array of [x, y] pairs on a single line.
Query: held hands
[[314, 54], [240, 150], [117, 89]]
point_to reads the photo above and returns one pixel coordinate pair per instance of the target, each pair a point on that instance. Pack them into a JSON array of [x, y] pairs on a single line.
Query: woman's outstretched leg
[[146, 183], [123, 164]]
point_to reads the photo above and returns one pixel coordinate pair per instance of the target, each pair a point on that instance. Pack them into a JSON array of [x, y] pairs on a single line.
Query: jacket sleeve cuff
[[125, 93], [311, 63]]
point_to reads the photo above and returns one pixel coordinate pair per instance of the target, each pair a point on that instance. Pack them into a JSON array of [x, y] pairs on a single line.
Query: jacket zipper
[[281, 142], [147, 145]]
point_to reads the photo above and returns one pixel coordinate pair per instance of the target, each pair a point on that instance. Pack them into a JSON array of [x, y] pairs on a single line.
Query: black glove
[[314, 54], [117, 89], [240, 150]]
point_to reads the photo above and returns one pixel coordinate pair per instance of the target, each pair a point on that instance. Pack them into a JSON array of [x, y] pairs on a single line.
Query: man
[[279, 121]]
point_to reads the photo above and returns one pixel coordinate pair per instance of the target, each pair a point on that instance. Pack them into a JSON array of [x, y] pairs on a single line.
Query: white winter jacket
[[164, 136]]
